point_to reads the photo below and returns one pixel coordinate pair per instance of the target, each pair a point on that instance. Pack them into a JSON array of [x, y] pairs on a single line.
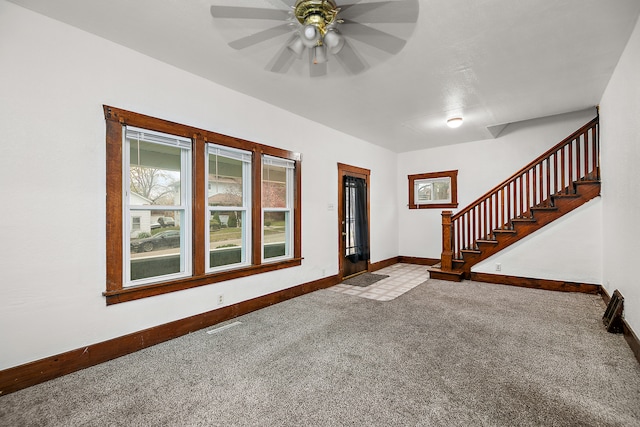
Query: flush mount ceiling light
[[454, 122], [324, 29]]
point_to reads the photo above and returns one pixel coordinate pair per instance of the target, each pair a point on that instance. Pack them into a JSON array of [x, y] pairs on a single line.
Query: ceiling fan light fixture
[[334, 41], [454, 122], [310, 32], [310, 36], [297, 46], [319, 55]]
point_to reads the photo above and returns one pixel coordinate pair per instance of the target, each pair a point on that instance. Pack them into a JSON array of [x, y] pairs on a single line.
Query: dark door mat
[[365, 279]]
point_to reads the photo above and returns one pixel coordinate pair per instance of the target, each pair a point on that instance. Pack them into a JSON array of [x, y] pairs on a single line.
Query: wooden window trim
[[452, 174], [115, 292]]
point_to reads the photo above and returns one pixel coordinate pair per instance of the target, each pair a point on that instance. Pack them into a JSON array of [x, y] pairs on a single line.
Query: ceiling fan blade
[[376, 38], [350, 60], [382, 12], [282, 61], [316, 70], [248, 13], [260, 36]]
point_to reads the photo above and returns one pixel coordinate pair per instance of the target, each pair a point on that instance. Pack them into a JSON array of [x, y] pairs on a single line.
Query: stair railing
[[576, 158]]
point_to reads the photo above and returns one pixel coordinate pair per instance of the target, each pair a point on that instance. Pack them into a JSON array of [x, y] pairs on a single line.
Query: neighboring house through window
[[277, 207]]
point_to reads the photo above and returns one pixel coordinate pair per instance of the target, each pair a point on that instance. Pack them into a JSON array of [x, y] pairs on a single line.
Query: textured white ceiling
[[492, 61]]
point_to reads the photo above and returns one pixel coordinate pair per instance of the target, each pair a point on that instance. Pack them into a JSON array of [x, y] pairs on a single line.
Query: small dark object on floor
[[365, 279], [612, 318]]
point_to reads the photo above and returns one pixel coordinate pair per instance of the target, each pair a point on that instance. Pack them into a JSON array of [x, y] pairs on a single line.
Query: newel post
[[446, 257]]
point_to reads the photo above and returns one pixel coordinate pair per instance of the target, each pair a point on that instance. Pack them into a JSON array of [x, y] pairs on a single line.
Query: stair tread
[[526, 219], [454, 272], [472, 251], [565, 195], [501, 230], [488, 241], [545, 208]]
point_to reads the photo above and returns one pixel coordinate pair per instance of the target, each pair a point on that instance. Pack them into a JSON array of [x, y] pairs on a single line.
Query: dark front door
[[354, 221]]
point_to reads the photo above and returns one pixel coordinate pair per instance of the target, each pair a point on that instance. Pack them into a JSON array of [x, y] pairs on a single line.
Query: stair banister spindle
[[478, 226], [570, 162], [525, 196], [502, 208], [577, 159], [486, 219], [508, 212], [491, 208], [548, 162], [596, 154], [470, 229], [586, 154], [563, 185], [521, 197], [554, 173]]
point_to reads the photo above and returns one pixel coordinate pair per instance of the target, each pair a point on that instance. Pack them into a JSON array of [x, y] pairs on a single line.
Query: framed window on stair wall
[[434, 190], [184, 207]]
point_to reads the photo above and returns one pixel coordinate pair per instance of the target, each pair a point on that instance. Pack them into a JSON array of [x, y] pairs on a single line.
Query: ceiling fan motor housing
[[319, 14]]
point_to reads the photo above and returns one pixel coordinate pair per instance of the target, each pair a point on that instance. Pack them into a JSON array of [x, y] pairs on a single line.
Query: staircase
[[554, 184]]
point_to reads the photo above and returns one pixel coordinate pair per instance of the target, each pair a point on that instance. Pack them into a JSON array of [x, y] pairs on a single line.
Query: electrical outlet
[[220, 299], [498, 266]]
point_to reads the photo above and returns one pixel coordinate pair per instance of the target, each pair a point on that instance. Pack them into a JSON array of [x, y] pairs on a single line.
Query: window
[[433, 190], [228, 202], [157, 186], [183, 210], [277, 207]]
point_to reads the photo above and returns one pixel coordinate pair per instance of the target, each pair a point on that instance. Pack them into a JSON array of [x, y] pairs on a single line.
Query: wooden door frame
[[348, 170]]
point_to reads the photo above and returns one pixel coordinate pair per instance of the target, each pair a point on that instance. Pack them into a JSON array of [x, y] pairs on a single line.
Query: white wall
[[481, 165], [620, 136], [54, 80], [568, 249]]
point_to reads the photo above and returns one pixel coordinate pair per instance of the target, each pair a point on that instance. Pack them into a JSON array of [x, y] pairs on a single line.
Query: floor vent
[[612, 318]]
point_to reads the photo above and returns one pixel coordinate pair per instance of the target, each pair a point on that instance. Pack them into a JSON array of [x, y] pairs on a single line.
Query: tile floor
[[402, 278]]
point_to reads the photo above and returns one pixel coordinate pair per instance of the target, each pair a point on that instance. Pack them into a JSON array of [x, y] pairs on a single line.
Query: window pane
[[226, 238], [274, 186], [275, 225], [225, 181], [154, 174], [424, 192], [432, 190], [441, 190], [156, 250]]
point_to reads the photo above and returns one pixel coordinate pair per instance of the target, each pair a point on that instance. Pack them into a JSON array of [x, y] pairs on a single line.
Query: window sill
[[144, 291]]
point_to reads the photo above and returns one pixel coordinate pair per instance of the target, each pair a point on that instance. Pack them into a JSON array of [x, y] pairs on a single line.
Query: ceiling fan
[[324, 30]]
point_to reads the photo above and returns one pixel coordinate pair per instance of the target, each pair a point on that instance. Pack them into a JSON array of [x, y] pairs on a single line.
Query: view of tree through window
[[155, 205]]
